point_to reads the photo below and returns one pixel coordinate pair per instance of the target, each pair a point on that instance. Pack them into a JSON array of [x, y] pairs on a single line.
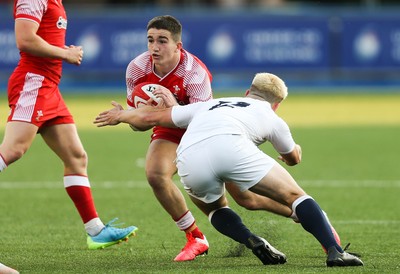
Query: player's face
[[163, 49]]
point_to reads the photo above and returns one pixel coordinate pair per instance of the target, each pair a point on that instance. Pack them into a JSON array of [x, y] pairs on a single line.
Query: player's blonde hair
[[269, 86]]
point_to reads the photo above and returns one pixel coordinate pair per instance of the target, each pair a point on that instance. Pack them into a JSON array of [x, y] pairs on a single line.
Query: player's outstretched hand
[[109, 117]]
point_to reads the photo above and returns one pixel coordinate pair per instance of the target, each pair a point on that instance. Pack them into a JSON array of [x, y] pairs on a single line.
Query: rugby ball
[[142, 93]]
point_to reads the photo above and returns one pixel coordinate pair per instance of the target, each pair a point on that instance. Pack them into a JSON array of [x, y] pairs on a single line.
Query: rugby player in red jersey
[[37, 107]]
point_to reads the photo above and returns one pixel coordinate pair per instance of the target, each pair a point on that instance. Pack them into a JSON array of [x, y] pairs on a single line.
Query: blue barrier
[[328, 47]]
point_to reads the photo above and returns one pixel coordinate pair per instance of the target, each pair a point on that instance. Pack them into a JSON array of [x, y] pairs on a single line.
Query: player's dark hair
[[169, 23]]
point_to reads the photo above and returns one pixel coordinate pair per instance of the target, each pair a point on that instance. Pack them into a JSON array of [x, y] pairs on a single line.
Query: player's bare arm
[[292, 158], [28, 41], [142, 118]]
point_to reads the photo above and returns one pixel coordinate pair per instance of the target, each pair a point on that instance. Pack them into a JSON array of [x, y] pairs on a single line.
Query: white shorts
[[205, 166]]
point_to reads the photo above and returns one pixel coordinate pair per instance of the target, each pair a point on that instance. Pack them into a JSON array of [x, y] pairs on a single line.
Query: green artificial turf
[[352, 170]]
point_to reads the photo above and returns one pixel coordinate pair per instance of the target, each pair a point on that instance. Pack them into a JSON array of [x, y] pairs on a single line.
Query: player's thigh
[[160, 158], [238, 195], [64, 140], [279, 185]]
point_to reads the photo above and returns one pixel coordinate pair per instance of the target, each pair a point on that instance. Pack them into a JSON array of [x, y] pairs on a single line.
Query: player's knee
[[14, 153], [157, 179], [290, 199], [82, 159], [77, 160]]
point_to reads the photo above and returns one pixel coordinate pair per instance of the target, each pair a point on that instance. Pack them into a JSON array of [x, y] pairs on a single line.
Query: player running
[[186, 78], [37, 107]]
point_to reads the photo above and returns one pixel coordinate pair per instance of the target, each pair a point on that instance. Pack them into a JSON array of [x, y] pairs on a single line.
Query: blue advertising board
[[9, 54], [224, 45], [230, 43], [260, 42], [372, 43]]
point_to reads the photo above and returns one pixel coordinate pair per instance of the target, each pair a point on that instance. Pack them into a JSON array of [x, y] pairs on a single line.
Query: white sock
[[186, 221], [94, 226], [294, 217], [3, 164], [299, 201]]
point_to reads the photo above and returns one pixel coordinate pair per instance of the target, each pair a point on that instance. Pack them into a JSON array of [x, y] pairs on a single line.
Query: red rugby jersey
[[189, 81], [52, 20]]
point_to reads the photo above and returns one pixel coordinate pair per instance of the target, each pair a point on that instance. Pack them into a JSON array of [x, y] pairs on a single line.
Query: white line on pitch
[[142, 184]]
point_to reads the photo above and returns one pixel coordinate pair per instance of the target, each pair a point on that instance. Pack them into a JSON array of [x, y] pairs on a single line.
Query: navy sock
[[227, 222], [313, 220]]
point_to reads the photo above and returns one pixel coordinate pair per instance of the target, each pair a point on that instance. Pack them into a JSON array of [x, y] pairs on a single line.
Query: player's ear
[[247, 92], [179, 46]]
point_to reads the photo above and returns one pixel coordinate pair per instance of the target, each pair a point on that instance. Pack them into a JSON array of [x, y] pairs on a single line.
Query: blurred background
[[310, 44]]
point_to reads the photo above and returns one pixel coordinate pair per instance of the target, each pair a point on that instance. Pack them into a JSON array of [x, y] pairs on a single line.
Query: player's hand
[[109, 117], [152, 102], [74, 54], [117, 106], [166, 95], [292, 158]]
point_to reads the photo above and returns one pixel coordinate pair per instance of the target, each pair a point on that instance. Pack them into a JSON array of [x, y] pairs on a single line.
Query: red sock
[[83, 200], [196, 233]]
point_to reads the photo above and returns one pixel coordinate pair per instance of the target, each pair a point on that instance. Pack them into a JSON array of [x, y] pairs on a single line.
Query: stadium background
[[311, 44], [341, 63]]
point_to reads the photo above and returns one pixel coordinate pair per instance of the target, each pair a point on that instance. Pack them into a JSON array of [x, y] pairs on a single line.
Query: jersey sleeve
[[135, 71], [30, 9], [132, 75], [281, 138], [198, 82], [199, 89], [182, 115], [130, 84]]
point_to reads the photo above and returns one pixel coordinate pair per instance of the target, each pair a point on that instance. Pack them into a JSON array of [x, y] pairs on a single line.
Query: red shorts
[[36, 100], [170, 134]]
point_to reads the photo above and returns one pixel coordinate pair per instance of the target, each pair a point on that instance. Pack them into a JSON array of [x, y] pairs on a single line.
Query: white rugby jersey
[[245, 116]]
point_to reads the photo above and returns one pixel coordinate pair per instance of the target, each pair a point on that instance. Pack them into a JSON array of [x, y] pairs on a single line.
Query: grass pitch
[[350, 166]]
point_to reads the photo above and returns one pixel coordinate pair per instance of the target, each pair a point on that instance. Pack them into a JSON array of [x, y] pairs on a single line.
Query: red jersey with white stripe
[[189, 82], [52, 20]]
